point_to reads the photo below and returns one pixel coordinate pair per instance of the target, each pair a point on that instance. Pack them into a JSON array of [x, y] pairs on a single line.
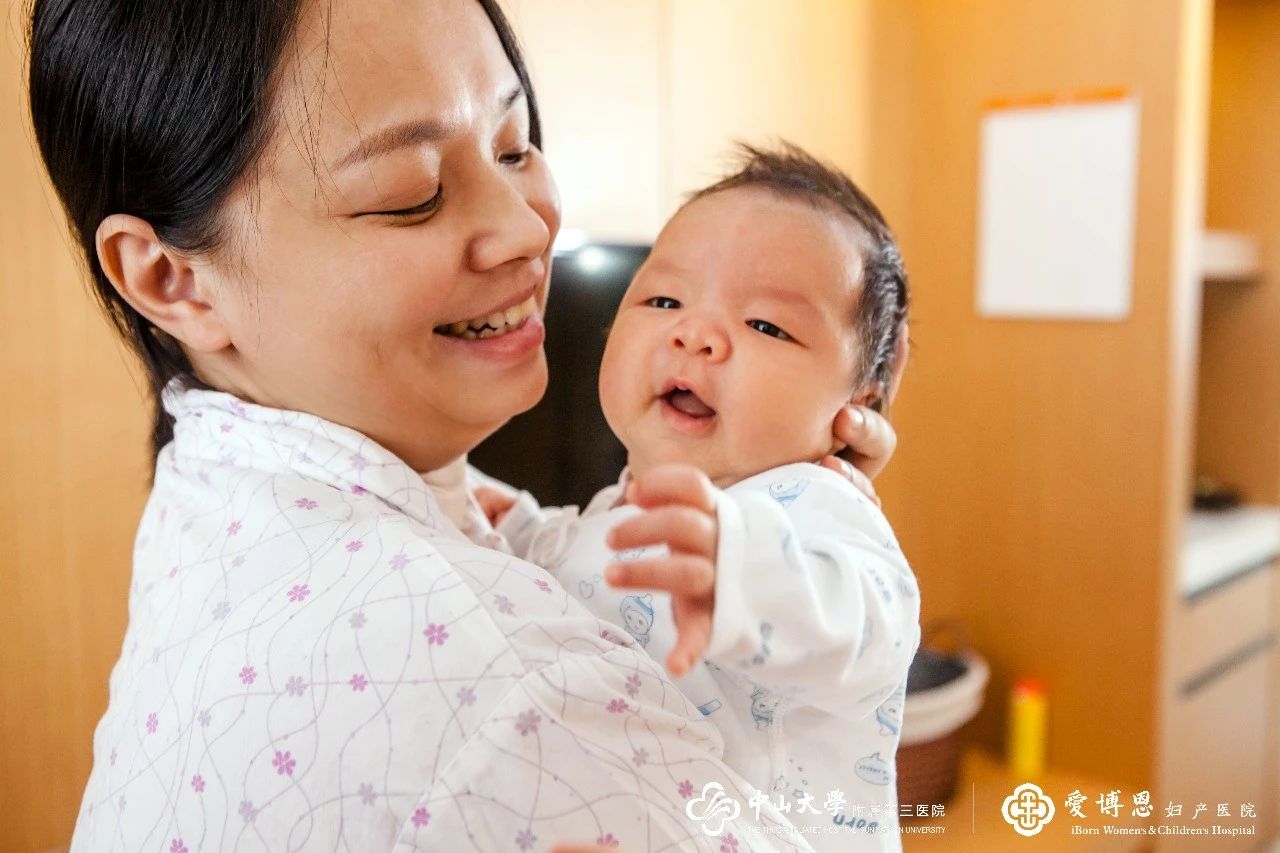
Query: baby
[[774, 589]]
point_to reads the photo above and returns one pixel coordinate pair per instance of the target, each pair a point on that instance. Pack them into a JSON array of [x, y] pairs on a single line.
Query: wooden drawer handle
[[1213, 673]]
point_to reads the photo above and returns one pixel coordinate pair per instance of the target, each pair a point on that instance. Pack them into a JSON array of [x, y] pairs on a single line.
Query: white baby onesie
[[816, 622]]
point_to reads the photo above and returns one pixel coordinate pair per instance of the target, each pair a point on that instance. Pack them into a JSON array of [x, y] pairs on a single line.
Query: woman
[[292, 211]]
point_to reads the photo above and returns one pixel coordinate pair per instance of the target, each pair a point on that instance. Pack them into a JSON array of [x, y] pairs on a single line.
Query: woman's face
[[398, 203]]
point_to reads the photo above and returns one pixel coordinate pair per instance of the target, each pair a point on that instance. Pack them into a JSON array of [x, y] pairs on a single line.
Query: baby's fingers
[[679, 574], [680, 528], [693, 634]]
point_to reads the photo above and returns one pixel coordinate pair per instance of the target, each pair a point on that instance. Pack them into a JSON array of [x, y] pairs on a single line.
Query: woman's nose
[[701, 336], [509, 225]]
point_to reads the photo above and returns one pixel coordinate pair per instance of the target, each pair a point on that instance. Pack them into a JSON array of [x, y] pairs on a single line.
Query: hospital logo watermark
[[712, 809], [1027, 809]]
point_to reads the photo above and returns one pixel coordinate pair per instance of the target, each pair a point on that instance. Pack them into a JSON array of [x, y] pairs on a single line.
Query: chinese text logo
[[713, 809], [1027, 809]]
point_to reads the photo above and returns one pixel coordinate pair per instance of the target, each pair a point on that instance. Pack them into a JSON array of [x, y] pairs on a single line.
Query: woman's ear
[[159, 283]]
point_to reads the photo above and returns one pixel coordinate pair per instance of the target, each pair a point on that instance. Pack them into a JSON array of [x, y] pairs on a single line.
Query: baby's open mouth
[[491, 325], [685, 401]]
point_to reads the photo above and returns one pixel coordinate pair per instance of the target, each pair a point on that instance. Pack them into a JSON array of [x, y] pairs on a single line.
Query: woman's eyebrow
[[410, 133]]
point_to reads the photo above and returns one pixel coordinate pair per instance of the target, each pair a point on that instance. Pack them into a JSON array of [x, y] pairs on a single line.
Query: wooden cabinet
[[1218, 745]]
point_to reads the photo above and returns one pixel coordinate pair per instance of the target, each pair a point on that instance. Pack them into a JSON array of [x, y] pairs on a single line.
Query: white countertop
[[1217, 545]]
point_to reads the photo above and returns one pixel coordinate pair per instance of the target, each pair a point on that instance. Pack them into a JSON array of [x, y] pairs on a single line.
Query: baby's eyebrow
[[791, 297]]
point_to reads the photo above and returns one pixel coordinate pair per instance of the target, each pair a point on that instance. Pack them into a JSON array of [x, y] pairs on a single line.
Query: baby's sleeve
[[814, 598]]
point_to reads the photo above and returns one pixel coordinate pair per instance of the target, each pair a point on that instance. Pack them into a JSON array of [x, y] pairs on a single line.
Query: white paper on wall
[[1056, 202]]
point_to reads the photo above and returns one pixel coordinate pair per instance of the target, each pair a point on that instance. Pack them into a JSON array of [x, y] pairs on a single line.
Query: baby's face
[[735, 348]]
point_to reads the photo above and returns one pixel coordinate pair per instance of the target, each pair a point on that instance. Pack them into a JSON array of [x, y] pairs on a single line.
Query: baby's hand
[[495, 504], [681, 514]]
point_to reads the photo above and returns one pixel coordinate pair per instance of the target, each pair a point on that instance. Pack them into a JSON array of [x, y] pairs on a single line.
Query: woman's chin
[[497, 399]]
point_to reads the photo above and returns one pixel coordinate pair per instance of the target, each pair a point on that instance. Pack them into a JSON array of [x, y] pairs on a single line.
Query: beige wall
[[73, 477], [641, 100]]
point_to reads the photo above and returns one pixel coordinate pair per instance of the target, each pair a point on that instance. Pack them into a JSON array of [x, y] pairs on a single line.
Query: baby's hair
[[792, 172]]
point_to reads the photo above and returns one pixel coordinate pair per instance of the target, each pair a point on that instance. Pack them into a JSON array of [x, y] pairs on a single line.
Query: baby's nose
[[700, 337]]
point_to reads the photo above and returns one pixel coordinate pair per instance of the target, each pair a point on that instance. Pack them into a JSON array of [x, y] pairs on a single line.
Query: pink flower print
[[357, 620], [205, 718], [238, 409], [466, 696], [237, 561], [174, 571], [233, 528], [640, 756], [305, 503], [221, 610], [225, 427], [299, 592], [633, 684], [113, 756], [197, 783], [284, 763], [616, 706], [436, 634], [247, 811], [295, 686], [504, 604], [176, 846], [367, 796], [359, 683], [607, 840], [359, 462], [248, 674], [527, 721], [542, 585], [398, 562], [686, 789], [421, 817], [525, 839], [153, 723], [729, 844], [354, 545], [358, 490]]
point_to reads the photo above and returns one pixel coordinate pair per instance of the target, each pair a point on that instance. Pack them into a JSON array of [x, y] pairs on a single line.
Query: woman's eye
[[515, 158], [428, 206], [662, 302], [767, 328]]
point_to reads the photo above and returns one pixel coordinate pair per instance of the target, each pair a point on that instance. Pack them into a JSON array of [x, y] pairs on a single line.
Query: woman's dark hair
[[157, 108], [792, 172]]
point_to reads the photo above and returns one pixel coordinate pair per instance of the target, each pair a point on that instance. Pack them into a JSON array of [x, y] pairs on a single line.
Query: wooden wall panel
[[73, 472], [1042, 467], [1238, 424]]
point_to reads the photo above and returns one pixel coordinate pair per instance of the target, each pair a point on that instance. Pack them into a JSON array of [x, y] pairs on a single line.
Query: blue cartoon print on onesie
[[874, 769], [785, 492], [889, 712], [763, 705], [637, 616]]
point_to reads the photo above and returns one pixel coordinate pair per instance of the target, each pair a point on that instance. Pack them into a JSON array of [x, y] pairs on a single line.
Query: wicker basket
[[944, 691]]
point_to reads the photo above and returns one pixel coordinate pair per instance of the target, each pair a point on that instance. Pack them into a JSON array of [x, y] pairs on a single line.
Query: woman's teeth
[[491, 325]]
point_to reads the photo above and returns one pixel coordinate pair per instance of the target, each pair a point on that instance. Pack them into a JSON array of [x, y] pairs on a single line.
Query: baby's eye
[[662, 302], [767, 328]]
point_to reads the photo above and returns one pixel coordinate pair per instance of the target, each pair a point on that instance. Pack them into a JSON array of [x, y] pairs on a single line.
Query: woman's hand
[[869, 441], [680, 512]]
